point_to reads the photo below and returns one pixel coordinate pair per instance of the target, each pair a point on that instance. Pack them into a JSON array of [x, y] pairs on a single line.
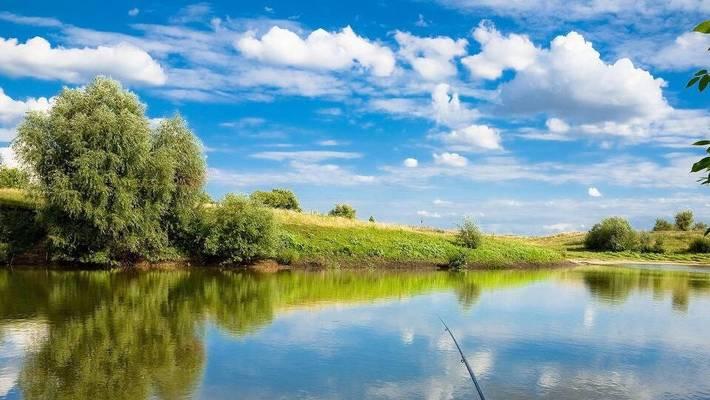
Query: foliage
[[113, 190], [20, 229], [700, 226], [663, 225], [371, 219], [611, 234], [469, 235], [702, 79], [13, 178], [277, 198], [684, 220], [700, 245], [343, 210], [238, 231], [457, 261], [650, 244]]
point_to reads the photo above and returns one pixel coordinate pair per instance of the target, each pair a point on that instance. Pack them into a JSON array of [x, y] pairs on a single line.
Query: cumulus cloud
[[472, 138], [320, 49], [594, 192], [36, 58], [306, 173], [8, 158], [688, 50], [133, 12], [431, 57], [428, 214], [450, 160], [410, 163], [499, 53], [448, 109], [13, 111]]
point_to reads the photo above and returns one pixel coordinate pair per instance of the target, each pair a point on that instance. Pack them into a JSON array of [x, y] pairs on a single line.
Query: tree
[[343, 210], [663, 225], [702, 79], [277, 198], [13, 178], [469, 235], [108, 182], [684, 220], [611, 234]]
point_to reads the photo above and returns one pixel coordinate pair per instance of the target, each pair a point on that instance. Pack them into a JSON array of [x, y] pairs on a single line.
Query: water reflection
[[212, 334]]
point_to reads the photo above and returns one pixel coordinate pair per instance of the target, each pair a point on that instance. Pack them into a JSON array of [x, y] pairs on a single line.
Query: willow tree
[[108, 182]]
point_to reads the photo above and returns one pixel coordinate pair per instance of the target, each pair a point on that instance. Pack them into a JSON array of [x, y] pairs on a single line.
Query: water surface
[[584, 333]]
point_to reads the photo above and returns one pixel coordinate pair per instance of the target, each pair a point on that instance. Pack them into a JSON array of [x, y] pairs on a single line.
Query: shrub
[[457, 261], [20, 230], [699, 245], [277, 198], [343, 210], [13, 178], [371, 219], [663, 225], [700, 226], [649, 244], [684, 220], [611, 234], [238, 231], [469, 235]]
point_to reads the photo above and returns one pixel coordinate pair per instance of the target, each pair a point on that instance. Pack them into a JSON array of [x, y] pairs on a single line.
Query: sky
[[530, 117]]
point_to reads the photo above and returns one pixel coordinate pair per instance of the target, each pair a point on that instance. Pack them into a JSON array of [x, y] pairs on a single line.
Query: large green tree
[[109, 183]]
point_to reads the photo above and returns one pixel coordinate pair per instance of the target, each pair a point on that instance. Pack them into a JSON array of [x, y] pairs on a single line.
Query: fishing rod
[[465, 361]]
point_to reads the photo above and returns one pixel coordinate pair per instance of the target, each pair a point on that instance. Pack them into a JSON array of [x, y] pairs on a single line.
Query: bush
[[13, 178], [469, 235], [699, 245], [611, 234], [277, 198], [649, 244], [700, 226], [684, 220], [457, 261], [238, 231], [371, 219], [663, 225], [20, 230], [343, 210]]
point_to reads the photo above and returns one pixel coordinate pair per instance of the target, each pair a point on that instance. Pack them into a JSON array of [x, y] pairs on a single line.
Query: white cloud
[[448, 109], [306, 173], [499, 53], [305, 156], [37, 58], [321, 49], [133, 12], [472, 138], [431, 57], [594, 192], [440, 202], [33, 21], [8, 157], [571, 82], [328, 143], [411, 163], [13, 111], [450, 160], [688, 50], [556, 125], [559, 227], [428, 214]]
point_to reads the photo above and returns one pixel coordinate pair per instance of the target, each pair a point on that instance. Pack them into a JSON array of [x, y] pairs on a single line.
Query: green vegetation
[[343, 210], [335, 241], [13, 178], [699, 245], [237, 231], [611, 234], [663, 225], [684, 220], [277, 198], [469, 235]]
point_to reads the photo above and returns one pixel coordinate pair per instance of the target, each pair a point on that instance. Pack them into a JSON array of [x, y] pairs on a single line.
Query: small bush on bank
[[663, 225], [277, 198], [457, 261], [684, 220], [14, 178], [649, 244], [611, 234], [20, 230], [469, 235], [700, 245], [700, 226], [237, 231], [343, 210]]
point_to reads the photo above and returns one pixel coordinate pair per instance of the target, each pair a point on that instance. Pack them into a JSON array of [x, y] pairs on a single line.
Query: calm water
[[588, 333]]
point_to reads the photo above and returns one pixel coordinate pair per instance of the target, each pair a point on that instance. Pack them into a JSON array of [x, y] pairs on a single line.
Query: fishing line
[[465, 361]]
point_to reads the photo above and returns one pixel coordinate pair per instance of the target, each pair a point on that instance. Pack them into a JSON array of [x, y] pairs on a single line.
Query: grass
[[16, 198], [675, 242], [335, 241]]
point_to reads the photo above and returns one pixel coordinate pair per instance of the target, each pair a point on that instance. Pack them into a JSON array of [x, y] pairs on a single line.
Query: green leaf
[[701, 72], [692, 82], [703, 82], [703, 27], [707, 231], [701, 165], [701, 143]]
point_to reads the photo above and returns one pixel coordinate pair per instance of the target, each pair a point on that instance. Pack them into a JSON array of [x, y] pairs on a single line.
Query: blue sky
[[529, 116]]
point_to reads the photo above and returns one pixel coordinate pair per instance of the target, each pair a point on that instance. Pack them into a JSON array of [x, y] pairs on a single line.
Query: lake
[[580, 333]]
